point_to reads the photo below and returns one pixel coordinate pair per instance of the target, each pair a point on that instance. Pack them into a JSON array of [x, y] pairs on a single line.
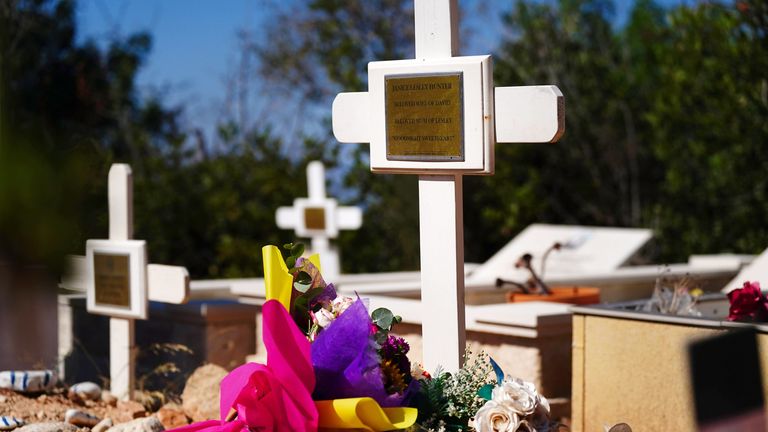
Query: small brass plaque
[[424, 117], [112, 279], [314, 218]]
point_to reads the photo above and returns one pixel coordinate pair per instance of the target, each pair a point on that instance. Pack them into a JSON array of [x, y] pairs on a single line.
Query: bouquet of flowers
[[332, 364]]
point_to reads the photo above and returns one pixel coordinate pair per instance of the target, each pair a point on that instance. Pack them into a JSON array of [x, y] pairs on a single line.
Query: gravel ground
[[52, 407]]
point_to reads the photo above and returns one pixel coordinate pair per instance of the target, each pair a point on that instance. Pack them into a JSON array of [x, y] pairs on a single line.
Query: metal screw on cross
[[119, 282], [320, 218], [439, 117]]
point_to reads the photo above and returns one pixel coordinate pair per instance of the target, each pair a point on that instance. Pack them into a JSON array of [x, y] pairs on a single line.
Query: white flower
[[324, 317], [340, 304], [496, 417], [519, 395]]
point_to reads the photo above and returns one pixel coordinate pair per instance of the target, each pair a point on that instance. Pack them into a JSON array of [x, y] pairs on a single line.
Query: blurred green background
[[667, 125]]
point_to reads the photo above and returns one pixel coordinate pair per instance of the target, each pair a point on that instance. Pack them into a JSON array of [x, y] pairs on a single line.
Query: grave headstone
[[118, 281], [756, 271], [585, 250], [435, 116], [320, 218]]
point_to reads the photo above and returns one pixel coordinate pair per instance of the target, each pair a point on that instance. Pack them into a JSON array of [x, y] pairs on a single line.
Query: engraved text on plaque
[[424, 117], [112, 279]]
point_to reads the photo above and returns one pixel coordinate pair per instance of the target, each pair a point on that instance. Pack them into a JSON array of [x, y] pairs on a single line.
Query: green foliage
[[664, 126], [448, 401], [59, 104], [708, 128], [385, 319], [294, 252]]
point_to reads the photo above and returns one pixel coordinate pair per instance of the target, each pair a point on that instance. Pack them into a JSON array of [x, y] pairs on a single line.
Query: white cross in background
[[320, 218], [119, 282], [439, 117]]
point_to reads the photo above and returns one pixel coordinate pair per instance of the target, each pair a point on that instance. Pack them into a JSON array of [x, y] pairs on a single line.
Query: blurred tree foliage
[[69, 110], [666, 120], [666, 125]]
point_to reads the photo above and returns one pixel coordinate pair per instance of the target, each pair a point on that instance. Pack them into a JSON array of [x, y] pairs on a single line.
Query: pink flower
[[748, 304]]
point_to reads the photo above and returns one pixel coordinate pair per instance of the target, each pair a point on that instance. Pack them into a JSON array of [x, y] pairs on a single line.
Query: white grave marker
[[118, 281], [320, 218], [435, 116]]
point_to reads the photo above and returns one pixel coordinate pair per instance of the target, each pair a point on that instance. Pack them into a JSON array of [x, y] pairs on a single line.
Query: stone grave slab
[[756, 271], [587, 250]]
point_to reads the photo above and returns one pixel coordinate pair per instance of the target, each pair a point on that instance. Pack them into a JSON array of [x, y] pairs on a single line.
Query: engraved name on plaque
[[424, 117], [112, 279]]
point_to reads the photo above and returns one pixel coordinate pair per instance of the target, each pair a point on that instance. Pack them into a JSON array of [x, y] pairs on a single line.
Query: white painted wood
[[336, 218], [75, 275], [441, 227], [316, 182], [121, 331], [136, 250], [350, 117], [168, 284], [287, 217], [440, 183], [120, 202], [122, 348], [477, 117], [349, 218], [437, 28], [529, 114]]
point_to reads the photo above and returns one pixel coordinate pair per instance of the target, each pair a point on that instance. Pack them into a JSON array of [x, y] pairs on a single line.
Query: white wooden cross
[[320, 218], [124, 281], [439, 117]]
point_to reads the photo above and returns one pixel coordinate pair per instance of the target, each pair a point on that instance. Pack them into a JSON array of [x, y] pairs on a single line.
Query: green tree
[[708, 129], [66, 111]]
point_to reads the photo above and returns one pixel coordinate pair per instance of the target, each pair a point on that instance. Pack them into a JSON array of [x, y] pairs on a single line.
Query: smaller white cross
[[168, 284], [319, 218]]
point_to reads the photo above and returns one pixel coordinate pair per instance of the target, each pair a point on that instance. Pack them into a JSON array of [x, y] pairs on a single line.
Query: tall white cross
[[119, 282], [436, 116], [320, 218]]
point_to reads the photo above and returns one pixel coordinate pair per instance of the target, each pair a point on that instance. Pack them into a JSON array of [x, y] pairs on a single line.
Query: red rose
[[748, 304]]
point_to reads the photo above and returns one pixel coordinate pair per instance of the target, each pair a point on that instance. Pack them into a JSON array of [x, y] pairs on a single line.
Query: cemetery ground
[[52, 407]]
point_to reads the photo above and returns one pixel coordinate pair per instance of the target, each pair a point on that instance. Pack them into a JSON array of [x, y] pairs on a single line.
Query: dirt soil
[[52, 407]]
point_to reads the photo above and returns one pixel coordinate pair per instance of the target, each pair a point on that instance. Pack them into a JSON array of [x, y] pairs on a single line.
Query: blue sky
[[195, 43]]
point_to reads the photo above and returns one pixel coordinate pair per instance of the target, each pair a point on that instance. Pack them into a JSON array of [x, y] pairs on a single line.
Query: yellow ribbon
[[354, 413], [363, 413], [277, 281]]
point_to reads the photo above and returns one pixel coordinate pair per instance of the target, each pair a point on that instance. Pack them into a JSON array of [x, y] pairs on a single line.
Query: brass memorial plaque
[[424, 117], [112, 279], [314, 218]]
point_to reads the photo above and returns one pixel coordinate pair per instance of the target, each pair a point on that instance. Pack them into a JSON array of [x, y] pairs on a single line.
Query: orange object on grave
[[579, 295]]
